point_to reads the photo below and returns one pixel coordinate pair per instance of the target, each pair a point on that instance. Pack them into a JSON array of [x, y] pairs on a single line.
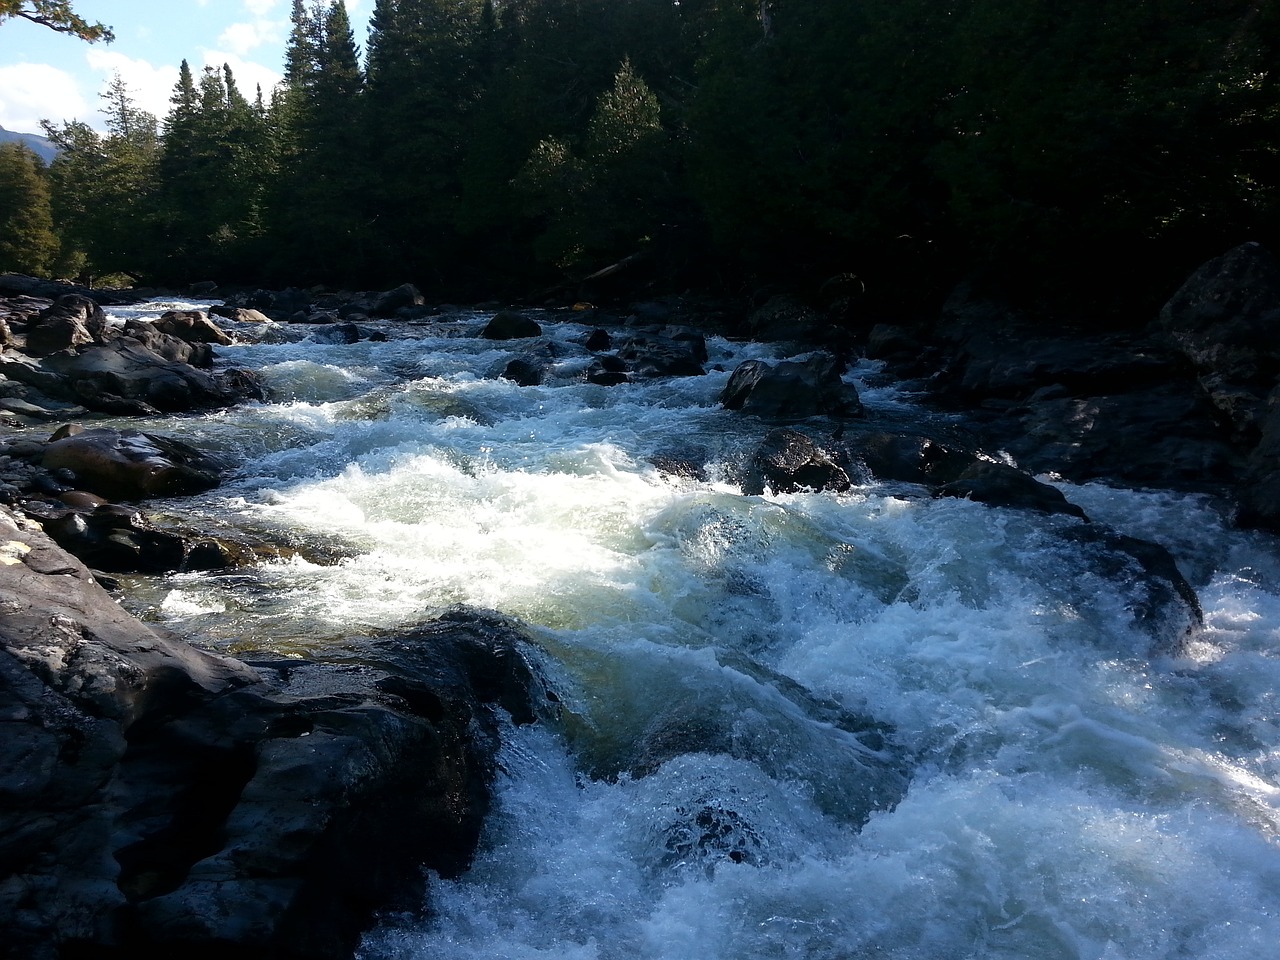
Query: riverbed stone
[[131, 464], [1226, 319], [156, 799], [511, 325], [792, 389], [787, 461], [193, 326]]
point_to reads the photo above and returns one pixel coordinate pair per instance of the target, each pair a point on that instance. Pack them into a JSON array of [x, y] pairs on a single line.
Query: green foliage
[[489, 142], [212, 175], [103, 186], [27, 241], [56, 15], [605, 204], [319, 206]]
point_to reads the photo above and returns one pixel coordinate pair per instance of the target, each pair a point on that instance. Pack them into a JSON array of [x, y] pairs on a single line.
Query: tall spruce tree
[[28, 243], [214, 167], [102, 186], [423, 79], [320, 219]]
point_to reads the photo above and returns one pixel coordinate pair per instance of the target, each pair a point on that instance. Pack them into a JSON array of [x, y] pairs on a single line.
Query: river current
[[870, 724]]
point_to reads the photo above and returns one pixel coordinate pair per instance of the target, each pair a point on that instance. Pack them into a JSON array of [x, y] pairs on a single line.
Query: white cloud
[[150, 85], [31, 92], [243, 37], [260, 8]]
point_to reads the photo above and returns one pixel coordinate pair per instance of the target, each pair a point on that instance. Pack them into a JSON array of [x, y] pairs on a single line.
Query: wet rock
[[784, 318], [72, 321], [240, 314], [1260, 492], [1002, 485], [1160, 600], [1162, 436], [787, 461], [192, 326], [650, 355], [526, 371], [792, 389], [162, 800], [131, 465], [167, 346], [608, 370], [599, 341], [1226, 319], [909, 458], [511, 325], [388, 303], [126, 370]]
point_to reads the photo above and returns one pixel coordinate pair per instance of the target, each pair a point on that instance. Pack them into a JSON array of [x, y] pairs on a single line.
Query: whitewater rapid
[[810, 725]]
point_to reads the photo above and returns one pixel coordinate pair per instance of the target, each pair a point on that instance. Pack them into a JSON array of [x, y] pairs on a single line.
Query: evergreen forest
[[486, 148]]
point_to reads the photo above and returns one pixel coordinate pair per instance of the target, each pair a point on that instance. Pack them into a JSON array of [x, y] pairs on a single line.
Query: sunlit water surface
[[869, 724]]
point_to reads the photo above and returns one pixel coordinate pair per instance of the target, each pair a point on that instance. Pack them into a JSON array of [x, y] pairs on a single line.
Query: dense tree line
[[482, 145]]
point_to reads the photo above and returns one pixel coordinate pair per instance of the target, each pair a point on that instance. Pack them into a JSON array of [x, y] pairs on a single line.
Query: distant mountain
[[41, 146]]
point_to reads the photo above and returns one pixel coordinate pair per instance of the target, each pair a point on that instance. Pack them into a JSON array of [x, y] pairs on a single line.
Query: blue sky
[[52, 76]]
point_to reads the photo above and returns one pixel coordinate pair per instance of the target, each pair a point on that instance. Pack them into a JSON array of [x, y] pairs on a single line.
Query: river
[[810, 725]]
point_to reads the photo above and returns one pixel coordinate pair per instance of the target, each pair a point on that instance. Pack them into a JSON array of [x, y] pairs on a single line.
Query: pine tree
[[319, 227], [103, 198], [27, 241], [423, 82]]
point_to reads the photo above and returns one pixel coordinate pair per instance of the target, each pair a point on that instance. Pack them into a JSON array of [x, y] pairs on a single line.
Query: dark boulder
[[1226, 319], [1160, 436], [118, 539], [792, 389], [787, 461], [1161, 602], [1260, 492], [608, 370], [174, 349], [909, 458], [598, 341], [131, 465], [650, 355], [404, 296], [126, 375], [511, 325], [1002, 485], [158, 800], [527, 371], [784, 318], [72, 321]]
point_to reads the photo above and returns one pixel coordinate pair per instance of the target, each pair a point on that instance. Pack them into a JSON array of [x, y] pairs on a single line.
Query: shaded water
[[868, 724]]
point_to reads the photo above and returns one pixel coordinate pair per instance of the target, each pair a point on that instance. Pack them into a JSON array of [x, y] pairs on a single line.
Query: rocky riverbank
[[157, 795]]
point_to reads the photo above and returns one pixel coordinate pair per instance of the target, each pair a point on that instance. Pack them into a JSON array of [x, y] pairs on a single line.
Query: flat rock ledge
[[154, 796]]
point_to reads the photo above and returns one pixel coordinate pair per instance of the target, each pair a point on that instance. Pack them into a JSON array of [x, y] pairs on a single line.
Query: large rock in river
[[792, 389], [130, 464], [71, 321], [157, 800], [1226, 318]]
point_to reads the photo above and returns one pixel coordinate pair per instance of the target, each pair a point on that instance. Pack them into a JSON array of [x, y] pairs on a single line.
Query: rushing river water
[[856, 725]]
